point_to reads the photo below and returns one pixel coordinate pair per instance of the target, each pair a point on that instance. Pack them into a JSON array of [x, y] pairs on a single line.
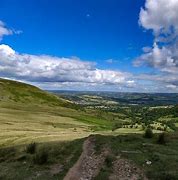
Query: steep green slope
[[13, 91], [28, 113]]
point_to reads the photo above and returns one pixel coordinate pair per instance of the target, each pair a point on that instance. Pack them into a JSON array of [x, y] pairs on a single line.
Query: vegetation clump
[[31, 148], [109, 161], [148, 133]]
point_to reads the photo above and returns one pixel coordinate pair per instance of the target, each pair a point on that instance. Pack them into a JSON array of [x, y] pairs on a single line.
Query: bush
[[109, 160], [159, 128], [31, 148], [41, 157], [161, 139], [148, 133]]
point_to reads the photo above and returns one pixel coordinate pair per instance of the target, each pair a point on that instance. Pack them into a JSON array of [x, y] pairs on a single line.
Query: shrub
[[159, 128], [109, 160], [148, 133], [31, 148], [41, 157], [131, 126], [161, 139]]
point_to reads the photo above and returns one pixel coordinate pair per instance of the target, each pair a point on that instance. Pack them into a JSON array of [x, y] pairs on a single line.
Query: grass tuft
[[31, 148]]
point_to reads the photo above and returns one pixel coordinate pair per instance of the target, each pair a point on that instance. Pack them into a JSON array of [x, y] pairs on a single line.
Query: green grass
[[24, 126], [164, 158], [13, 91], [20, 165], [29, 114]]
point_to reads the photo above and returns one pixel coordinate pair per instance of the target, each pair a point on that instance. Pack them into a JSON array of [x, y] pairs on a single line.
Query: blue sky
[[103, 32], [89, 29]]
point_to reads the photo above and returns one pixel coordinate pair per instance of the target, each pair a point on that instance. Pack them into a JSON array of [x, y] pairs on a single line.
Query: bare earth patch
[[123, 169], [89, 164]]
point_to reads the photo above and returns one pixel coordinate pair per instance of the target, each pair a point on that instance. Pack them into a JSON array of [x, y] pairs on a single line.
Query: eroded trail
[[89, 164]]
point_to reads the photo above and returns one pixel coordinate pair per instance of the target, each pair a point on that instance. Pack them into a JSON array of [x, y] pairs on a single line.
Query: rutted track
[[89, 164]]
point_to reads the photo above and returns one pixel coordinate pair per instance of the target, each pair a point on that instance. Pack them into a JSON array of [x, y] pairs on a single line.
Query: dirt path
[[89, 164]]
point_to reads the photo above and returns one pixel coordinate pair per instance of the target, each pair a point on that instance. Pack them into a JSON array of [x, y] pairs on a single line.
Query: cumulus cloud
[[46, 68], [163, 58], [161, 17]]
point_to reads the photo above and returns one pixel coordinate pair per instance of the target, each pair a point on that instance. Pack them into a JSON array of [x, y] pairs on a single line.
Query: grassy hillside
[[29, 114], [13, 91]]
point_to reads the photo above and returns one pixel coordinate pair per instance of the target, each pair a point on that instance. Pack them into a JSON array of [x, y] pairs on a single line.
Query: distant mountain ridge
[[123, 98]]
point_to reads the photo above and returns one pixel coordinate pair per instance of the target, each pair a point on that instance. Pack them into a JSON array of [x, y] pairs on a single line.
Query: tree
[[148, 133]]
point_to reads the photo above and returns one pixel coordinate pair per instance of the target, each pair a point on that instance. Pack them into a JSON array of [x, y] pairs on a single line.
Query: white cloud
[[5, 50], [46, 68], [171, 86], [163, 58], [72, 73], [161, 16], [5, 31]]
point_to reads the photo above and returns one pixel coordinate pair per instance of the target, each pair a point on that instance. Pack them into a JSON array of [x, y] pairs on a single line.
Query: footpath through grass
[[53, 160]]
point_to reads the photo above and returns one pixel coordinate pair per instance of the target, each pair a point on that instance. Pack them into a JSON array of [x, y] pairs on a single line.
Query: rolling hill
[[14, 91], [29, 114]]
